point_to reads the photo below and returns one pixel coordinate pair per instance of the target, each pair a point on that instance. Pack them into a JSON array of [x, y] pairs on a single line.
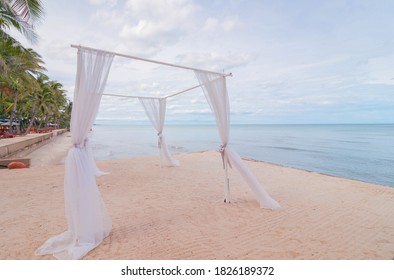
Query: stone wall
[[26, 144]]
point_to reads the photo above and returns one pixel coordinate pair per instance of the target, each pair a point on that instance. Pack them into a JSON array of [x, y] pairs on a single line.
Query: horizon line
[[135, 122]]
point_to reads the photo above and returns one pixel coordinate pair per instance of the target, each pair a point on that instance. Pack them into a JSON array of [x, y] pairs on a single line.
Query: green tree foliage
[[21, 15], [26, 93]]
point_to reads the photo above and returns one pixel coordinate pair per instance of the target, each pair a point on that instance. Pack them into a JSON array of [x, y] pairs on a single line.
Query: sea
[[363, 152]]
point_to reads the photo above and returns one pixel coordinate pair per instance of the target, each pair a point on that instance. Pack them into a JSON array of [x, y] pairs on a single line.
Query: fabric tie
[[224, 157], [83, 145], [160, 135]]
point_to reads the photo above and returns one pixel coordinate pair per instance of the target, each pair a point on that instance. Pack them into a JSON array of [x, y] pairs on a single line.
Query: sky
[[293, 62]]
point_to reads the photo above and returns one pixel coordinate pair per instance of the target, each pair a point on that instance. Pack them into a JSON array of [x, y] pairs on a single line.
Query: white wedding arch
[[87, 218]]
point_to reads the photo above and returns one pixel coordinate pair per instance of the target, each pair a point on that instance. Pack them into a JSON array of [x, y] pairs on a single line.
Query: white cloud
[[109, 3], [156, 24], [285, 58], [109, 17], [216, 61], [230, 24], [213, 24], [168, 10]]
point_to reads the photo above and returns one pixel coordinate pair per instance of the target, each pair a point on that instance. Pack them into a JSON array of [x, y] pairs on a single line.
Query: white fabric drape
[[155, 109], [87, 218], [215, 90]]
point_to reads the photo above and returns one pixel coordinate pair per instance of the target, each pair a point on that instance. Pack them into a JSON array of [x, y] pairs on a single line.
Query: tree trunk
[[46, 123], [31, 121], [55, 122], [39, 126], [12, 117]]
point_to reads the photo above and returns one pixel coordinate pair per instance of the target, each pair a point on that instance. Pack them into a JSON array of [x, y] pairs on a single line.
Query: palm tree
[[46, 104], [59, 100], [5, 103], [36, 101], [19, 65], [21, 15], [21, 77], [65, 117]]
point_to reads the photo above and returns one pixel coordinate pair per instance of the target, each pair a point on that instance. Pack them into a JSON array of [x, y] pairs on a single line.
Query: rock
[[16, 165]]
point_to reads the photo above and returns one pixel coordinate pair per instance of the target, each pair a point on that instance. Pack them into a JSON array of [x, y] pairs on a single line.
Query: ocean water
[[360, 152]]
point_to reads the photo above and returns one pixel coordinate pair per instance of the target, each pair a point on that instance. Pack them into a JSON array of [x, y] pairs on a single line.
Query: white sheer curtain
[[87, 218], [155, 109], [214, 87]]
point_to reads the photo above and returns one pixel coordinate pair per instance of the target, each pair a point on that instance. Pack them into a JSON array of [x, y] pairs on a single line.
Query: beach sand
[[178, 213], [53, 152]]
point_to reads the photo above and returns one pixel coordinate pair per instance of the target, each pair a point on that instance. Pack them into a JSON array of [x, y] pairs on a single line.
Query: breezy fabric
[[155, 109], [215, 90], [87, 218]]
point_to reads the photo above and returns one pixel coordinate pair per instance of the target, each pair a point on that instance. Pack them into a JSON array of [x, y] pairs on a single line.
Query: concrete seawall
[[18, 146]]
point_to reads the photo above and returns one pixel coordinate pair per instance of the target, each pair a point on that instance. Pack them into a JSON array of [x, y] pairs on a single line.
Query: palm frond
[[28, 10], [21, 15]]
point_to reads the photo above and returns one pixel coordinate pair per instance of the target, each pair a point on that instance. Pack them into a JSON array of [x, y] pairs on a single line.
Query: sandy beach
[[178, 213]]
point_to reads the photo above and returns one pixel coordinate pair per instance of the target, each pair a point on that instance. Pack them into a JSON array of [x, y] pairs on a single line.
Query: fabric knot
[[222, 151], [82, 145], [160, 139]]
